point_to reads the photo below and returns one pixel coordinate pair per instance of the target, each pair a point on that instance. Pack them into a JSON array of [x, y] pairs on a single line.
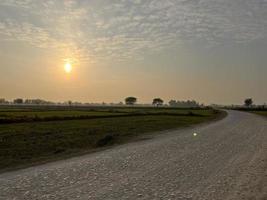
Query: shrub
[[105, 141]]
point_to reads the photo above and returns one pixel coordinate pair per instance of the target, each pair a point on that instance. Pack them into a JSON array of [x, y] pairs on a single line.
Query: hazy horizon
[[212, 51]]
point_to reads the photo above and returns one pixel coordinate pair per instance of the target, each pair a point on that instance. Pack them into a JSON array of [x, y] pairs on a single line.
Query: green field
[[255, 110], [263, 113], [31, 135], [29, 116]]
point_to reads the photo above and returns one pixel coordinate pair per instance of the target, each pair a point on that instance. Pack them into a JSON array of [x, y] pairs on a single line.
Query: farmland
[[263, 113], [32, 135], [256, 110]]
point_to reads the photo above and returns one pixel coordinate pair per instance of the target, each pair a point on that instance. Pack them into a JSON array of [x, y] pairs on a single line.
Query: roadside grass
[[256, 110], [24, 144], [263, 113]]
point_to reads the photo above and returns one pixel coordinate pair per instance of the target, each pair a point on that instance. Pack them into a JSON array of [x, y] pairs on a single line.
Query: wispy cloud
[[125, 29]]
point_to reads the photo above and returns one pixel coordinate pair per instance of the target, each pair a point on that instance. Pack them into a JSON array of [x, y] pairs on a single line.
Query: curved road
[[226, 160]]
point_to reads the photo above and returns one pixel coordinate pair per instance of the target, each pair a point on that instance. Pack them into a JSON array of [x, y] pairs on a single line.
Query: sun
[[68, 67]]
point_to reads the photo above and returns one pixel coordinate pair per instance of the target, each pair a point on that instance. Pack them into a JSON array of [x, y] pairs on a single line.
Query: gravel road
[[225, 160]]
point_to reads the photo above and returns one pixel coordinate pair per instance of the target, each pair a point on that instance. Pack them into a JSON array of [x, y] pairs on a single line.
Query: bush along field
[[34, 135]]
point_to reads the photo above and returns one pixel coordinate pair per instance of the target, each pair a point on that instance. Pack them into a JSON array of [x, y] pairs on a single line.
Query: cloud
[[125, 29]]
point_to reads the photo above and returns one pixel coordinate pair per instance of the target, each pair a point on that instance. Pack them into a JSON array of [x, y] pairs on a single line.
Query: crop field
[[263, 113], [257, 110], [33, 134]]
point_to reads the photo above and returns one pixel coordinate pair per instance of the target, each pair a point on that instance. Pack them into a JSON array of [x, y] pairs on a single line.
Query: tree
[[157, 102], [130, 100], [172, 103], [2, 101], [248, 102], [184, 104], [18, 101]]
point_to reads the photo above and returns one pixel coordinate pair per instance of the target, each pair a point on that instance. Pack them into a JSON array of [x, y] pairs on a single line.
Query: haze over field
[[213, 51]]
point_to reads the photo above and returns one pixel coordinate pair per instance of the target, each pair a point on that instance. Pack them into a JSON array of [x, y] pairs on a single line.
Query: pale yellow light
[[68, 68]]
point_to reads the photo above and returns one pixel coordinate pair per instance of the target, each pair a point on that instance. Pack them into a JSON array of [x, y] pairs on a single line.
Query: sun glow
[[68, 67]]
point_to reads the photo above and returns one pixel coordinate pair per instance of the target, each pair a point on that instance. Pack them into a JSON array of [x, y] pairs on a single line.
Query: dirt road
[[223, 160]]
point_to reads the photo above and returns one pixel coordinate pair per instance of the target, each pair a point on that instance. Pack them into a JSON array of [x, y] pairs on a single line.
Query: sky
[[213, 51]]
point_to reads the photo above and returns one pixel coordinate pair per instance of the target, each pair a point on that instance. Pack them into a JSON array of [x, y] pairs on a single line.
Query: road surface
[[225, 160]]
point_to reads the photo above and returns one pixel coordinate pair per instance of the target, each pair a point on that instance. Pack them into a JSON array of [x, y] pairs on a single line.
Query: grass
[[263, 113], [39, 115], [256, 110], [29, 142], [32, 116]]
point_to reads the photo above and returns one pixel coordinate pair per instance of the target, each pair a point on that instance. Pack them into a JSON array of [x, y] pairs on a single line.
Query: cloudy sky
[[213, 51]]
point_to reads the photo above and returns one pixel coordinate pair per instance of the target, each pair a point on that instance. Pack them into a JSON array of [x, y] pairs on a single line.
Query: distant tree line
[[188, 103], [129, 101], [173, 103], [26, 101], [3, 101], [33, 102], [248, 104], [18, 101]]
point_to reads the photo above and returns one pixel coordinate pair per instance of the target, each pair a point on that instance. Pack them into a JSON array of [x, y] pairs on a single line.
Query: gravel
[[223, 160]]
